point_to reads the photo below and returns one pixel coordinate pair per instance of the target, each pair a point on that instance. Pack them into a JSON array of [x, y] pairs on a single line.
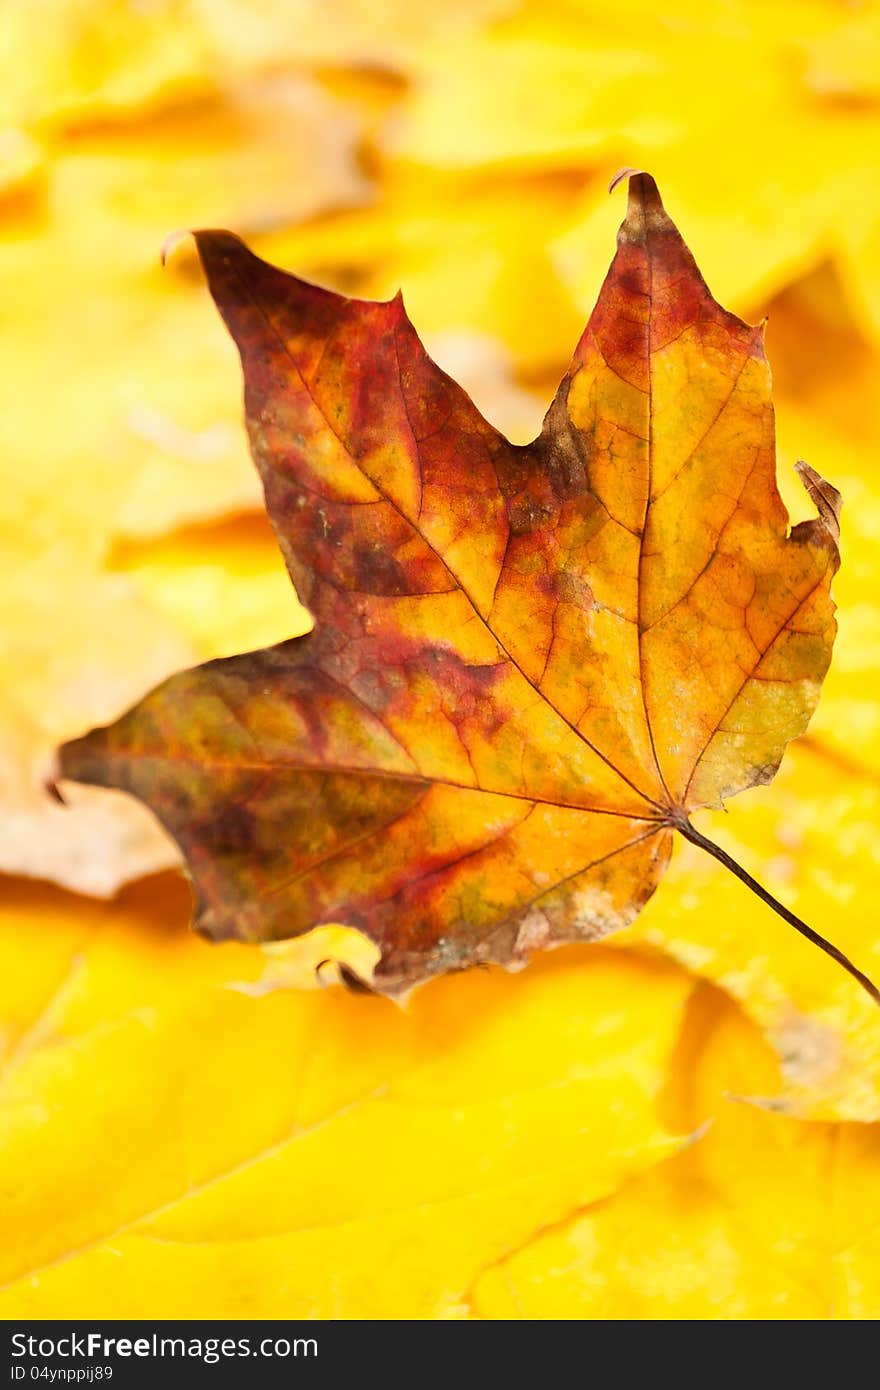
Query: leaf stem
[[696, 838]]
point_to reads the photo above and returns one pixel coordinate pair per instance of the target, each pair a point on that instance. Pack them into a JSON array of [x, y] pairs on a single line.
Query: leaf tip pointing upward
[[644, 211]]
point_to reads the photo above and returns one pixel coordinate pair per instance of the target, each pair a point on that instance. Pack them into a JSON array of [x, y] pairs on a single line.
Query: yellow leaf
[[123, 420], [763, 1217], [76, 59], [767, 170], [830, 414], [811, 839], [367, 33], [845, 64], [270, 1153], [214, 583], [470, 255], [22, 161]]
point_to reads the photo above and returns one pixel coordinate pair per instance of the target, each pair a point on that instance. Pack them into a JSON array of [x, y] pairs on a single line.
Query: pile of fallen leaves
[[681, 1122]]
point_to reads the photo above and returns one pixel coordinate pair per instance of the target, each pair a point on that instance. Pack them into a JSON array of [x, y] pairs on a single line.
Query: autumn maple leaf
[[529, 664]]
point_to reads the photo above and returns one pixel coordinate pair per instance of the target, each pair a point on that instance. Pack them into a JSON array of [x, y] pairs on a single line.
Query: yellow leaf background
[[681, 1123]]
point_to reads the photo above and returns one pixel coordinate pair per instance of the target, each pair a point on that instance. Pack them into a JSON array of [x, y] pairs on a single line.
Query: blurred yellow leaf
[[812, 840], [74, 59], [270, 1153], [141, 435], [763, 1217], [764, 192], [369, 33], [845, 63], [82, 60], [106, 643], [213, 583], [829, 413], [469, 254], [22, 160]]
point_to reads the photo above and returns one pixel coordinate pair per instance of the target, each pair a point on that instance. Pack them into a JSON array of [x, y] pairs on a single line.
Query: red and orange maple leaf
[[529, 663]]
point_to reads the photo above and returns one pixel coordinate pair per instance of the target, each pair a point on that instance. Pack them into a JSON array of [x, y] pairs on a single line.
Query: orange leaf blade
[[528, 663]]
